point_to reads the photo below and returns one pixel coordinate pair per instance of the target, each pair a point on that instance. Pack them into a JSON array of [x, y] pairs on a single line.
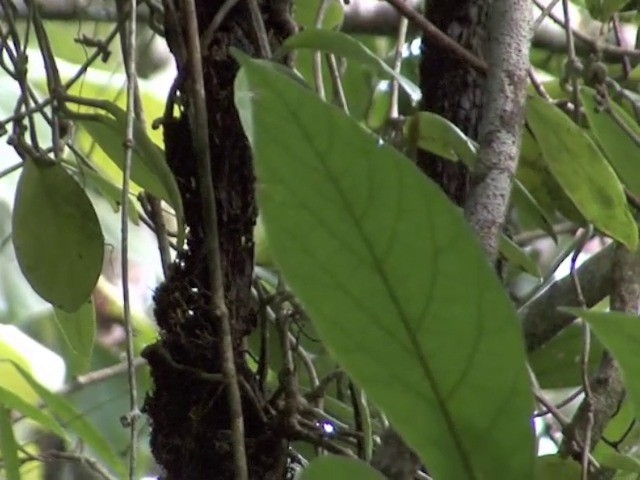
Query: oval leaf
[[323, 468], [621, 150], [582, 171], [348, 47], [57, 236], [385, 263]]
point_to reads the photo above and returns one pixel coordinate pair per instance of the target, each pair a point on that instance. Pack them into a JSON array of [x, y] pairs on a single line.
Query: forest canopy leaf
[[57, 236], [621, 150], [582, 171], [78, 330], [385, 263]]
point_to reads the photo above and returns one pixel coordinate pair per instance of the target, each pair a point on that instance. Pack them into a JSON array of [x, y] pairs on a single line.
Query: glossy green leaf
[[325, 468], [552, 467], [620, 334], [438, 135], [385, 263], [57, 236], [517, 257], [348, 47], [149, 168], [584, 174], [621, 150], [13, 402], [530, 212], [75, 421], [78, 330], [8, 447]]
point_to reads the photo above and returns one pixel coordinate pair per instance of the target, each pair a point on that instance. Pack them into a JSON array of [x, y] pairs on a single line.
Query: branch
[[502, 120], [541, 320]]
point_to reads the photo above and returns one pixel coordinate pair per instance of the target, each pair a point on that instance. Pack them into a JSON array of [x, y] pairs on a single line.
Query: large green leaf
[[324, 468], [78, 330], [13, 402], [8, 446], [57, 236], [393, 279], [76, 422], [622, 152], [552, 467], [582, 171], [620, 334], [348, 47]]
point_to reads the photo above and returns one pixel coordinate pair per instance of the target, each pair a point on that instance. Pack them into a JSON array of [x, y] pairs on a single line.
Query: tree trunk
[[191, 437]]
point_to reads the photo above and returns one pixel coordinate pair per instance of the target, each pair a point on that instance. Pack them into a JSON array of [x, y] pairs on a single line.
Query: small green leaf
[[620, 334], [609, 457], [530, 212], [324, 468], [582, 171], [76, 422], [78, 330], [621, 150], [8, 446], [384, 262], [438, 135], [57, 236], [348, 47], [149, 168], [518, 257], [13, 402]]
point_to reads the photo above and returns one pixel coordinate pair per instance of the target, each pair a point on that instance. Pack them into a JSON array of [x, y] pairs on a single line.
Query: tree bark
[[188, 407]]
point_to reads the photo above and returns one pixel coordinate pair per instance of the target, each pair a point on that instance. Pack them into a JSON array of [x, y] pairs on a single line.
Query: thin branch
[[443, 40], [130, 420], [200, 132]]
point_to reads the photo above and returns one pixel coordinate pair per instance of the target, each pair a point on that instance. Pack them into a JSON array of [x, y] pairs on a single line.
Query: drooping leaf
[[529, 210], [582, 171], [518, 257], [348, 47], [384, 263], [78, 330], [620, 334], [324, 468], [13, 402], [149, 168], [621, 151], [438, 135], [77, 423], [57, 236], [8, 446]]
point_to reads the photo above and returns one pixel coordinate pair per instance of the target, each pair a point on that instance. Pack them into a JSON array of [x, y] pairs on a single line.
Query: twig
[[260, 29], [317, 56], [394, 111], [131, 419], [89, 462], [439, 37], [336, 80], [200, 132]]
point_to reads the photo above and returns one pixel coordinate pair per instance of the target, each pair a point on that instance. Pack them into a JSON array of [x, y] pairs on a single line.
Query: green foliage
[[582, 171], [349, 220], [553, 467], [348, 47], [323, 468], [56, 235], [8, 446], [79, 331]]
